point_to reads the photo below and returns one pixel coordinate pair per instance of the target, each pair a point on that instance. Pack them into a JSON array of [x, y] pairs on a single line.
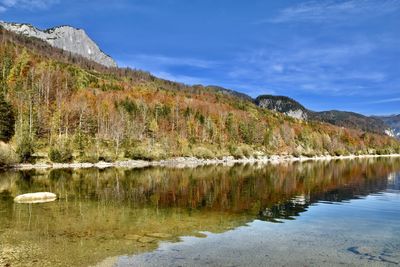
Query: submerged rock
[[39, 197], [146, 239], [159, 235], [132, 237]]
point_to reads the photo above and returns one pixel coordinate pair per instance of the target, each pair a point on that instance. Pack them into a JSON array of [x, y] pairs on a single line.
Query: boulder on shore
[[39, 197]]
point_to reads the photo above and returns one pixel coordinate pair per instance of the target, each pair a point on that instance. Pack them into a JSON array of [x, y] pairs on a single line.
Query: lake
[[342, 212]]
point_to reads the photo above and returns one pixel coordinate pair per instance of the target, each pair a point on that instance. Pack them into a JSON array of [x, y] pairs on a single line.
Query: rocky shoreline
[[187, 162]]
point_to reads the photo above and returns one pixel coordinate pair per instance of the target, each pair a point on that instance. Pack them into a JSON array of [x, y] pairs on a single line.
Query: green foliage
[[203, 153], [241, 151], [25, 148], [80, 142], [145, 153], [7, 155], [60, 154], [7, 120], [341, 152], [153, 127]]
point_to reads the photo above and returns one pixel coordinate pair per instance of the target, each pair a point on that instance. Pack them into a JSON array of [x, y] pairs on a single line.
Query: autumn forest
[[57, 107]]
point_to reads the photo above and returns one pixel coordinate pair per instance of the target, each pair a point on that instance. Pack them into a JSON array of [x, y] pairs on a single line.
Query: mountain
[[351, 120], [72, 109], [294, 109], [78, 42], [393, 122], [64, 37], [283, 104], [223, 90]]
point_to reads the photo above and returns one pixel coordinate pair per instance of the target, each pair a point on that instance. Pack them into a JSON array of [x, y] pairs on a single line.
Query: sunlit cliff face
[[66, 38]]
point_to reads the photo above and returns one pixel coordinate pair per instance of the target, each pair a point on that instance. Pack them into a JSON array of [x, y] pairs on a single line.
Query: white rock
[[64, 37], [39, 197]]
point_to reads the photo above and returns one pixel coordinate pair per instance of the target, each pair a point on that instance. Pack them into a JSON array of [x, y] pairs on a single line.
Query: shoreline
[[186, 162]]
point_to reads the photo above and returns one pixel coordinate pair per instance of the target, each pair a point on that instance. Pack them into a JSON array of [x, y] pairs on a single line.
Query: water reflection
[[393, 182], [102, 213]]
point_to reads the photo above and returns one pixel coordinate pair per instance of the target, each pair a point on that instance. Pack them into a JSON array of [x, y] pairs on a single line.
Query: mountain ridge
[[348, 119], [66, 37], [393, 121]]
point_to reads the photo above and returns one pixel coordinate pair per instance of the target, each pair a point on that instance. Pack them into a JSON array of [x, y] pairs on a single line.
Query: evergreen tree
[[7, 120]]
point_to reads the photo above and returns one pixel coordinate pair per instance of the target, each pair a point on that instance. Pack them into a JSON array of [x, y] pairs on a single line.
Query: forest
[[58, 107]]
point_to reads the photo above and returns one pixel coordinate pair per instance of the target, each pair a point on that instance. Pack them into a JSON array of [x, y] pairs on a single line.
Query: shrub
[[7, 155], [7, 120], [60, 155], [384, 151], [296, 154], [203, 153], [25, 148], [241, 151], [236, 152], [341, 152], [247, 151], [309, 154], [89, 157], [142, 153]]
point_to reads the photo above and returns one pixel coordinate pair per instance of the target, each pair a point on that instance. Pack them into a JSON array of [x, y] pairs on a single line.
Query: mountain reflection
[[271, 191], [108, 211], [291, 208]]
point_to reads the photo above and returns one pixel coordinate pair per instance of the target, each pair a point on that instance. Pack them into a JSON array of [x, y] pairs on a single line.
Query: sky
[[327, 54]]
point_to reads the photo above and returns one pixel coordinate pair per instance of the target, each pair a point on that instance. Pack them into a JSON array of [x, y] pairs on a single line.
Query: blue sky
[[326, 54]]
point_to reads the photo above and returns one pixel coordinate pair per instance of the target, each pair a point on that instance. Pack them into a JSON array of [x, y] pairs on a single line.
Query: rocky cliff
[[283, 104], [64, 37], [393, 122]]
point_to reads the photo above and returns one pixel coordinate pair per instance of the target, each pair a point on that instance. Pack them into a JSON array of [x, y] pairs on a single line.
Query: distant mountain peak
[[393, 121], [384, 125], [64, 37]]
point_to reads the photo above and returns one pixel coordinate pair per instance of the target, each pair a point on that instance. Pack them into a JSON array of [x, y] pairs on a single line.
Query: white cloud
[[160, 60], [160, 66], [312, 67], [387, 100], [328, 10], [8, 3], [277, 68], [26, 4], [190, 80]]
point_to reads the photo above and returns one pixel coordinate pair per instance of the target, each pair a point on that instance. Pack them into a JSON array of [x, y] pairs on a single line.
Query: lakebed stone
[[159, 235], [39, 197], [132, 237], [146, 239]]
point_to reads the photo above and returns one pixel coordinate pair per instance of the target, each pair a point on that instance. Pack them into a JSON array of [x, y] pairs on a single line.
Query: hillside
[[393, 122], [68, 108], [351, 120], [292, 108]]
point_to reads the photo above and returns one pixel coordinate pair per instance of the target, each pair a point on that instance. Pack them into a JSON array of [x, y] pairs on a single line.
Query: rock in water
[[159, 235], [40, 197]]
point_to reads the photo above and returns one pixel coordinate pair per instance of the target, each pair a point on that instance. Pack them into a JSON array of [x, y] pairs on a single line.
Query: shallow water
[[311, 214]]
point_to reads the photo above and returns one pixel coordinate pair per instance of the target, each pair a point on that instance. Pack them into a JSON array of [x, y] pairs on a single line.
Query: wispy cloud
[[314, 68], [26, 4], [172, 61], [165, 67], [190, 80], [328, 10], [387, 100]]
